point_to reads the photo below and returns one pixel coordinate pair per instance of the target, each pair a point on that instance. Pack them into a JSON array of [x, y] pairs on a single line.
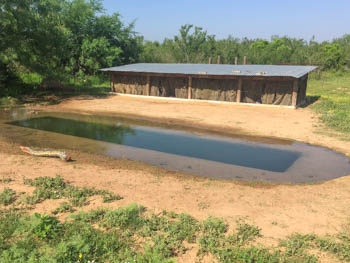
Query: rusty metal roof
[[216, 69]]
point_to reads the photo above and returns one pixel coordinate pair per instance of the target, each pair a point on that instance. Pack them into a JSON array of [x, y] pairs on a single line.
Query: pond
[[178, 148]]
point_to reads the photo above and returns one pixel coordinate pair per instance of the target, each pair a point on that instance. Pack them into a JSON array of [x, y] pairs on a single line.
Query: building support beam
[[148, 87], [189, 92], [111, 80], [239, 91], [295, 92]]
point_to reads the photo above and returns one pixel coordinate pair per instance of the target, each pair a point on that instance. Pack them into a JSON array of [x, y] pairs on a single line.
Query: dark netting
[[267, 92], [276, 92], [129, 84], [214, 89], [169, 87]]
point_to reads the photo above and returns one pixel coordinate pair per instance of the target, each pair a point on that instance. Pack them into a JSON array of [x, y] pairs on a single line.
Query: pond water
[[176, 148]]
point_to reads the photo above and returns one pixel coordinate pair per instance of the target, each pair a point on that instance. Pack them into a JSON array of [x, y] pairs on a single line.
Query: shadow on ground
[[309, 100], [52, 96]]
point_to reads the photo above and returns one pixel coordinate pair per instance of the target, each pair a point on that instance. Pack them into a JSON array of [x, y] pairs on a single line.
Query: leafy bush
[[45, 226]]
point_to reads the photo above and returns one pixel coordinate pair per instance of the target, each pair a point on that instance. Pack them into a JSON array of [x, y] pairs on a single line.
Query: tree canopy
[[193, 45], [60, 39]]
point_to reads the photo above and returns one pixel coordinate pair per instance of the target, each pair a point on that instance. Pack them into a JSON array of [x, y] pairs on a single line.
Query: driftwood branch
[[62, 155]]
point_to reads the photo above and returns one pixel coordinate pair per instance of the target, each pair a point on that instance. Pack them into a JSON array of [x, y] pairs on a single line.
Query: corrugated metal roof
[[216, 69]]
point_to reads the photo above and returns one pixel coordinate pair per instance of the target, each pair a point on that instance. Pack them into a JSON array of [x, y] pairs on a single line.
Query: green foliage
[[332, 56], [96, 54], [57, 188], [190, 47], [296, 245], [126, 218], [6, 180], [59, 43], [214, 230], [340, 249], [45, 227], [63, 208], [7, 196], [197, 46], [246, 232], [58, 39], [333, 89], [8, 101], [130, 234], [108, 197]]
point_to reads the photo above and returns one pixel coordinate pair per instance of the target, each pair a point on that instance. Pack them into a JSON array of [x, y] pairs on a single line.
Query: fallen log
[[62, 155]]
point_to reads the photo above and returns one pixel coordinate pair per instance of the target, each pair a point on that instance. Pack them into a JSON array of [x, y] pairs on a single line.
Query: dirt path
[[300, 124]]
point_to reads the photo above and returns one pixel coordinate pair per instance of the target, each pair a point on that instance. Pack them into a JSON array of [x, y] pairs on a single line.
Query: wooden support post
[[295, 92], [219, 58], [209, 62], [239, 90], [189, 88], [245, 60], [148, 87], [236, 60], [111, 81]]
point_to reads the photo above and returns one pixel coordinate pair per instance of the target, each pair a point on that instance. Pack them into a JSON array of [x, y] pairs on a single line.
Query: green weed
[[57, 188], [7, 196], [108, 197], [6, 180], [63, 208], [45, 226], [133, 234], [125, 218], [339, 249]]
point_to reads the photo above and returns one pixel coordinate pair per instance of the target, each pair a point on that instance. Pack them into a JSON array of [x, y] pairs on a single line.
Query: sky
[[159, 19]]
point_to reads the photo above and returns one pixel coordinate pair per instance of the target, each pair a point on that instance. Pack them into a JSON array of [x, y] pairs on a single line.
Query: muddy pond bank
[[191, 152]]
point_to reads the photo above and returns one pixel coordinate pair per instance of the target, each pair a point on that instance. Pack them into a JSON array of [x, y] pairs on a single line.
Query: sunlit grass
[[333, 105]]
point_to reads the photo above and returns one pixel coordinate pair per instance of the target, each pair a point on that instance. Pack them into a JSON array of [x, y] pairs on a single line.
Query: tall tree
[[190, 47]]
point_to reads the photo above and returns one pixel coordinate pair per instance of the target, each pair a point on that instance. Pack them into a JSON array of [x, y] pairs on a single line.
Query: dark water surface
[[190, 151], [228, 152]]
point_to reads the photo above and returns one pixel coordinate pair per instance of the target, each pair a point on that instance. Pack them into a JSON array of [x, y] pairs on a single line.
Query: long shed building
[[258, 84]]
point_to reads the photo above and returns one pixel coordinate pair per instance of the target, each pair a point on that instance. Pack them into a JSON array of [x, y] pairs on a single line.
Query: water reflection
[[92, 130], [253, 155]]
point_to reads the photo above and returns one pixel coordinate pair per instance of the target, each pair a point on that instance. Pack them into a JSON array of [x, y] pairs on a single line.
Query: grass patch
[[7, 196], [333, 89], [8, 101], [6, 180], [63, 208], [57, 188], [134, 234]]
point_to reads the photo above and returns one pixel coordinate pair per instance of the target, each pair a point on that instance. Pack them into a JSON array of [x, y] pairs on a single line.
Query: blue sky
[[157, 19]]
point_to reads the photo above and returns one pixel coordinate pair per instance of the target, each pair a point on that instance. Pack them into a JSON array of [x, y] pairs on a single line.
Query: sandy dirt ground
[[279, 210]]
